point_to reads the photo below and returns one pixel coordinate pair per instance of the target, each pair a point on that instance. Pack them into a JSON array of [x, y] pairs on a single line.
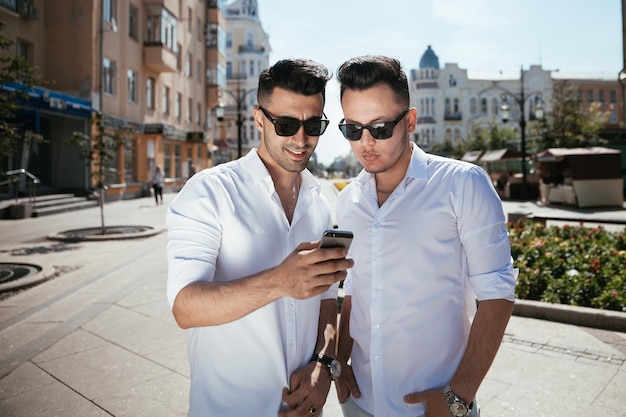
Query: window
[[179, 59], [590, 96], [199, 29], [199, 70], [133, 22], [109, 69], [251, 64], [601, 96], [189, 19], [188, 61], [188, 110], [109, 10], [198, 114], [483, 106], [150, 93], [179, 103], [132, 86], [129, 165], [612, 96], [494, 106], [229, 40], [24, 50], [473, 106], [165, 105]]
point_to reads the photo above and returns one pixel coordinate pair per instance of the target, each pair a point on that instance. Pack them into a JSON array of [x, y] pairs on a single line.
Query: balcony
[[426, 120], [426, 84], [255, 49], [453, 116], [159, 58]]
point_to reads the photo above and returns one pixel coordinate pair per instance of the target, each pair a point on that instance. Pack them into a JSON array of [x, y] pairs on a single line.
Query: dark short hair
[[300, 76], [367, 71]]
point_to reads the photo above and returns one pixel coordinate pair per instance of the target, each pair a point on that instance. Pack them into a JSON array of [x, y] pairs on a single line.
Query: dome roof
[[429, 59]]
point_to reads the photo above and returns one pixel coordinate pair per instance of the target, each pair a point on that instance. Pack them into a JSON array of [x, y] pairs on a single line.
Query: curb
[[46, 272], [578, 316], [76, 236]]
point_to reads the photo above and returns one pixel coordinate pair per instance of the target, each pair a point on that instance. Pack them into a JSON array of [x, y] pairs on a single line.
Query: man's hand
[[308, 389], [346, 384], [309, 271], [436, 404]]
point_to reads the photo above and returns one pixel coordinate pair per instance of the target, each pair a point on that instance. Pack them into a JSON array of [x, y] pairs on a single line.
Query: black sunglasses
[[380, 130], [289, 126]]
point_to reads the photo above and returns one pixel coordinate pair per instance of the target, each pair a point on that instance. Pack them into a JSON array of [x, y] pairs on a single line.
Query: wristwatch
[[457, 407], [334, 367]]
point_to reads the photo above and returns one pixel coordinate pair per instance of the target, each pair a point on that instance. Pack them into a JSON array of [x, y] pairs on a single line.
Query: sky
[[485, 37]]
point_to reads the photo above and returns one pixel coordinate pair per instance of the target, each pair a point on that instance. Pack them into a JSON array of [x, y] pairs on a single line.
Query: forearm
[[484, 340], [213, 303], [327, 327], [344, 340]]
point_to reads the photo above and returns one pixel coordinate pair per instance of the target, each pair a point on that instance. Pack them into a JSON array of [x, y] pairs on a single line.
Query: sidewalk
[[99, 339]]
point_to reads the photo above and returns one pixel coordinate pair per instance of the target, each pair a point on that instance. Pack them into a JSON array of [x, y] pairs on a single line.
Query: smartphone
[[334, 238]]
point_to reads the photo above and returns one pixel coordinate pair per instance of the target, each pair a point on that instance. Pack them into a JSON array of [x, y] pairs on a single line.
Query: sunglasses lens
[[351, 131], [315, 127], [286, 127], [385, 131]]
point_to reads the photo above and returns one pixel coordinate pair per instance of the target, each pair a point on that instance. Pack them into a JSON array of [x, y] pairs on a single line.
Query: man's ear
[[259, 119], [412, 119]]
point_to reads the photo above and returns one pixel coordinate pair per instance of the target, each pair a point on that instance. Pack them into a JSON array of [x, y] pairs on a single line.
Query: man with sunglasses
[[430, 242], [245, 274]]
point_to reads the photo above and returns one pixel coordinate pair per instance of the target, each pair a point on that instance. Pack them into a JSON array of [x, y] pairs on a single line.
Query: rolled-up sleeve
[[485, 239]]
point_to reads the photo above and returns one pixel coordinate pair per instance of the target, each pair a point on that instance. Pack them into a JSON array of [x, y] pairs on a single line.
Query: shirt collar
[[417, 169], [260, 175]]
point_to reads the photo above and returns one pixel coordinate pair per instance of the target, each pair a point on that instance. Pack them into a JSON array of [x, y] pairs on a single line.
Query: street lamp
[[239, 96], [521, 99]]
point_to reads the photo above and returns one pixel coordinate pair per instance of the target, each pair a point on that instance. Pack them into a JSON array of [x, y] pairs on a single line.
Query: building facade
[[153, 66], [247, 54], [450, 104]]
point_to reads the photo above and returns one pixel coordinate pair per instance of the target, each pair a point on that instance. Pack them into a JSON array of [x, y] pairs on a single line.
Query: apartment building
[[247, 54], [153, 66]]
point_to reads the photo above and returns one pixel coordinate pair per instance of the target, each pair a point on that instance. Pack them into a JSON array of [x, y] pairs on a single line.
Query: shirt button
[[377, 258], [377, 326], [376, 357]]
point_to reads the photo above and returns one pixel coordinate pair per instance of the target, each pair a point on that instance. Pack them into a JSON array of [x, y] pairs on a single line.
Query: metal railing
[[16, 176]]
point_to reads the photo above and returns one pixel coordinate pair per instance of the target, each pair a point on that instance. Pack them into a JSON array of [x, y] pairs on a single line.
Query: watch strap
[[319, 357]]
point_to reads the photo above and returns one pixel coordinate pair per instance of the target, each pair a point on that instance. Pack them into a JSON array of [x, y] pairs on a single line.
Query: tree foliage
[[17, 77], [569, 125], [100, 152]]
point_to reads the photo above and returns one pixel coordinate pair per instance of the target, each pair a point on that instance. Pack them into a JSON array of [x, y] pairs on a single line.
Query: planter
[[20, 210]]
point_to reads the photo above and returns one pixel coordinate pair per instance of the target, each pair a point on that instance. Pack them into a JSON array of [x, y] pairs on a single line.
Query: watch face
[[335, 370], [458, 409]]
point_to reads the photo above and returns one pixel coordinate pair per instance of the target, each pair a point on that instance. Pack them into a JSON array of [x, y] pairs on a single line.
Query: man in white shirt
[[430, 241], [245, 275]]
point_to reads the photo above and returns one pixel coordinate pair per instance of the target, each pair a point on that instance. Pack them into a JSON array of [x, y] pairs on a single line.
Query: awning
[[49, 100]]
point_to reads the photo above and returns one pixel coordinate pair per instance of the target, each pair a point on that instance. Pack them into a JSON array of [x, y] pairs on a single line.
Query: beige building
[[155, 66], [247, 54]]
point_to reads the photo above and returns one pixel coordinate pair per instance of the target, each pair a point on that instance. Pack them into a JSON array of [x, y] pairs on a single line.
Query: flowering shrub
[[573, 265]]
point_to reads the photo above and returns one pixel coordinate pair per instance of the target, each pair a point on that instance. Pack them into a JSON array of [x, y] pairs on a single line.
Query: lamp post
[[239, 96], [521, 99]]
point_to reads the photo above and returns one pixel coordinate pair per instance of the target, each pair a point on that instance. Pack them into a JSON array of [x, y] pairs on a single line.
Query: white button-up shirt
[[225, 224], [421, 260]]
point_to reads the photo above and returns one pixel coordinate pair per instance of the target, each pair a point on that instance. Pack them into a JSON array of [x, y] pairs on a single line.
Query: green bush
[[572, 265]]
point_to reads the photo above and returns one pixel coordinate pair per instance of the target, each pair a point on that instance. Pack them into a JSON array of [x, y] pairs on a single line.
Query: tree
[[569, 125], [101, 152], [17, 77]]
